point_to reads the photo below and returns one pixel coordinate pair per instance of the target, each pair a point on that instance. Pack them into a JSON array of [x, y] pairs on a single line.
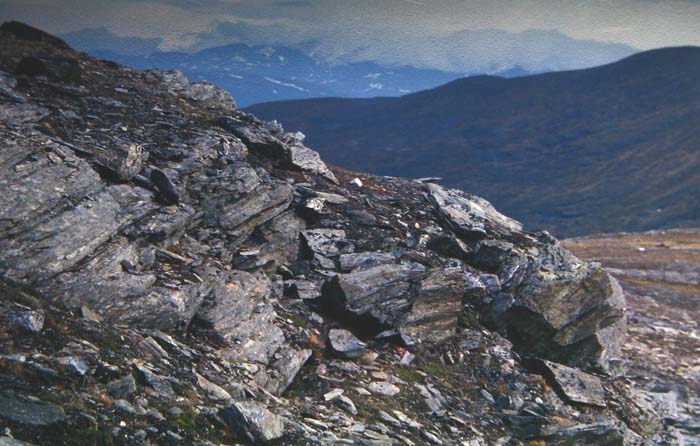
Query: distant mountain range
[[611, 148], [255, 74]]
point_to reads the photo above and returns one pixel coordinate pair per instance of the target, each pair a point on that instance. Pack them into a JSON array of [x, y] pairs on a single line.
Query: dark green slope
[[611, 148]]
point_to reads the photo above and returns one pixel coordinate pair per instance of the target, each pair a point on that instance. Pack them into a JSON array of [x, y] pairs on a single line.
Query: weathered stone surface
[[245, 199], [125, 159], [238, 310], [215, 391], [29, 412], [284, 368], [434, 315], [606, 433], [281, 235], [327, 242], [7, 441], [575, 385], [303, 289], [573, 317], [55, 245], [364, 260], [122, 387], [469, 216], [272, 141], [345, 344], [450, 246], [105, 277], [23, 319], [383, 294], [203, 93], [552, 304], [165, 186], [384, 388], [253, 421], [7, 88], [158, 383]]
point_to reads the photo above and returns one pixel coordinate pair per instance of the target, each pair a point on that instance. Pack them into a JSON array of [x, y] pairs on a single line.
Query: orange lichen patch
[[104, 400]]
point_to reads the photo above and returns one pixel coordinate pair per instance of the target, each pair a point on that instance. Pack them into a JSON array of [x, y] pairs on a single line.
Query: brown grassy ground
[[660, 273]]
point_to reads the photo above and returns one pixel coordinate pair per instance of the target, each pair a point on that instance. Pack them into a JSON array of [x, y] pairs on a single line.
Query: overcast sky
[[395, 31]]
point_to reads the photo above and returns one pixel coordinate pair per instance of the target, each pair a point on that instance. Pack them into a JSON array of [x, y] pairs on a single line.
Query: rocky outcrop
[[551, 304], [175, 271]]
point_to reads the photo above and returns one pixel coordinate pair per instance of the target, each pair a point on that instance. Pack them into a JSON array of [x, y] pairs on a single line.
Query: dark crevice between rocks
[[332, 306]]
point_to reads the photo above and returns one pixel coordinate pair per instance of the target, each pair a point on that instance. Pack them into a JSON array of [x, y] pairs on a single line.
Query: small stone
[[357, 182], [431, 437], [327, 243], [166, 187], [173, 437], [124, 406], [384, 416], [362, 391], [406, 420], [122, 387], [575, 385], [347, 404], [153, 413], [159, 383], [214, 391], [315, 204], [89, 314], [333, 394], [316, 423], [345, 344], [30, 412], [384, 388], [253, 421], [31, 321], [407, 359], [74, 365]]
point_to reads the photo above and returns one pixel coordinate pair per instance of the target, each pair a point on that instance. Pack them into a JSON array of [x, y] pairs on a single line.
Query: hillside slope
[[598, 150], [176, 271]]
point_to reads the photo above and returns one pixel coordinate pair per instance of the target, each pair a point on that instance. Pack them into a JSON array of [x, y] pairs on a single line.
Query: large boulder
[[380, 297], [435, 312], [550, 304]]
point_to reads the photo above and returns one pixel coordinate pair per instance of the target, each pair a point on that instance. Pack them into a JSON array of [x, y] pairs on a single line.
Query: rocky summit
[[176, 271]]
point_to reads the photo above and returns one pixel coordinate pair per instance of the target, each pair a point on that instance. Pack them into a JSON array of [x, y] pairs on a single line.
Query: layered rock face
[[191, 261]]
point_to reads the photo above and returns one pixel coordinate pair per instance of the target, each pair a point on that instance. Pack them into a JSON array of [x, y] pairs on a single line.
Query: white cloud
[[395, 31]]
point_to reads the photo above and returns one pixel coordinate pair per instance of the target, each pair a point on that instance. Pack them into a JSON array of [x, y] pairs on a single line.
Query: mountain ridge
[[256, 73], [577, 126]]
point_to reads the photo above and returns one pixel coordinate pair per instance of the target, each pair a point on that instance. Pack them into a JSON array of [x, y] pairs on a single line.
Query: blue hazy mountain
[[603, 149], [255, 74]]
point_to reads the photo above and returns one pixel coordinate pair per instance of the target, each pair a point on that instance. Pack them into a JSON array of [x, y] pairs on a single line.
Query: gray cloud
[[293, 4], [455, 34]]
